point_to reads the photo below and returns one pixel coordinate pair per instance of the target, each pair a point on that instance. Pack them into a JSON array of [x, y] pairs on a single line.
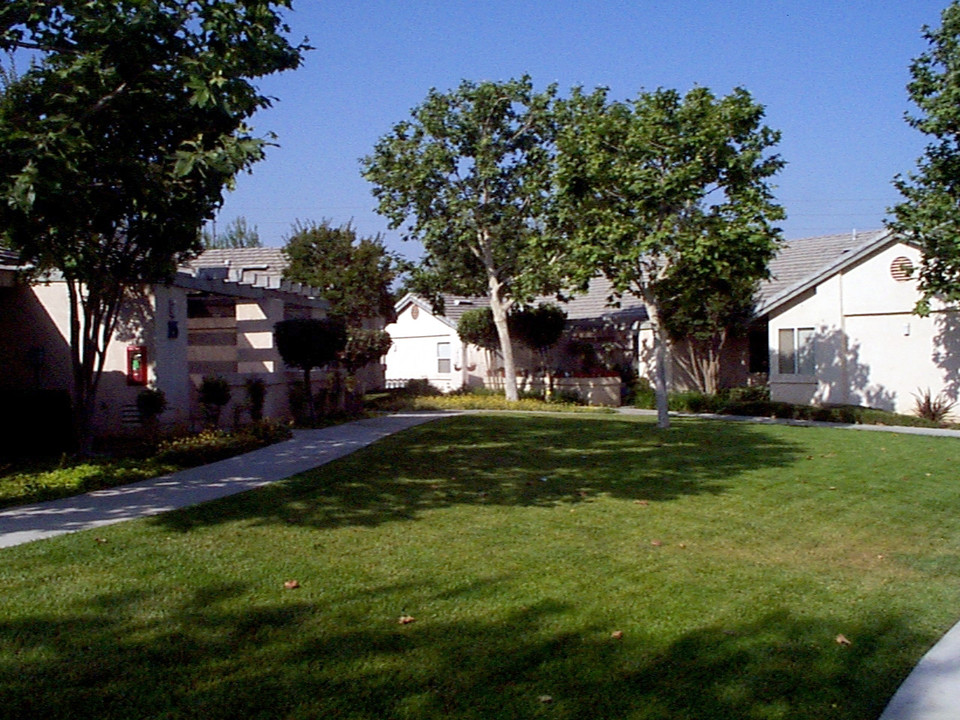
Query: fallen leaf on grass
[[545, 699], [406, 619], [100, 540], [842, 640], [617, 634], [656, 543], [641, 502], [291, 584]]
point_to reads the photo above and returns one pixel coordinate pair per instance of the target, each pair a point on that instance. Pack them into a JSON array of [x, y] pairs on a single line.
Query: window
[[795, 351], [443, 357]]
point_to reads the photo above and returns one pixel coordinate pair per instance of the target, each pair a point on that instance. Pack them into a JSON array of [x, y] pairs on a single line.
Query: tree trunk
[[662, 358], [93, 319], [500, 310], [308, 389], [660, 386]]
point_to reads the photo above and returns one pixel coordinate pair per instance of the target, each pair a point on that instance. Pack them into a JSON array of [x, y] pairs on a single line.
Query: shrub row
[[212, 445], [751, 402], [496, 402], [420, 395]]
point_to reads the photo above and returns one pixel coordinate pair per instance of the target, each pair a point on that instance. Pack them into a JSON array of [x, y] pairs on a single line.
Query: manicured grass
[[730, 556]]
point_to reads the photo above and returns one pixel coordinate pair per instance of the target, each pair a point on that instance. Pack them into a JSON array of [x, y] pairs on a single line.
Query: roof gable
[[806, 262]]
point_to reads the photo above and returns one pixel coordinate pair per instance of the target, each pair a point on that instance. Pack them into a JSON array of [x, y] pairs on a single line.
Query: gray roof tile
[[589, 306], [803, 259], [244, 263]]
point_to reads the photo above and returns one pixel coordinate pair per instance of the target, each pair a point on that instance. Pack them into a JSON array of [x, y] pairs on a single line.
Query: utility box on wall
[[136, 365]]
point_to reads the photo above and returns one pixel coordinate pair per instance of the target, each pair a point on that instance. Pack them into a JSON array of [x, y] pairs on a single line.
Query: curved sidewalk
[[306, 450]]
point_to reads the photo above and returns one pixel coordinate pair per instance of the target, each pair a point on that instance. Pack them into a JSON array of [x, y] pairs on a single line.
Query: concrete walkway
[[931, 692], [899, 429], [308, 449]]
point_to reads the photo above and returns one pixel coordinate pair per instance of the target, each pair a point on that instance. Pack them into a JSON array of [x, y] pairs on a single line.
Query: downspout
[[844, 379]]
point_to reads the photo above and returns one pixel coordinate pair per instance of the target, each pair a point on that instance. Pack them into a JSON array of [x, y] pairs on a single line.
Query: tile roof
[[243, 263], [590, 306], [454, 306], [594, 304], [802, 260]]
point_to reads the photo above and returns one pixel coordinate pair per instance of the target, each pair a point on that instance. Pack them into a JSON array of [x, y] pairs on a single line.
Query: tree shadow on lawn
[[215, 656], [506, 460]]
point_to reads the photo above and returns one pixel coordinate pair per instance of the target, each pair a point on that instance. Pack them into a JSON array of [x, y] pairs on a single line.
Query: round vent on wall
[[901, 269], [415, 312]]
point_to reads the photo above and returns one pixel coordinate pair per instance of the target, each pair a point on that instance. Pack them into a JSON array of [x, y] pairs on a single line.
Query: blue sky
[[832, 76]]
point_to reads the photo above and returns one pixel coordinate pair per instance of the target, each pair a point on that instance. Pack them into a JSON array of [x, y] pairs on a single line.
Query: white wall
[[413, 354], [869, 348]]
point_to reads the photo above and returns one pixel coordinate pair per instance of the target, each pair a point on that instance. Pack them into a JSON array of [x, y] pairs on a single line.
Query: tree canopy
[[355, 273], [237, 234], [476, 327], [309, 343], [364, 346], [117, 144], [664, 184], [700, 309], [930, 211], [469, 176], [540, 327]]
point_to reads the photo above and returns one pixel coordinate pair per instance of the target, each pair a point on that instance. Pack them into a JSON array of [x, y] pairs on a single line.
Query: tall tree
[[667, 182], [470, 175], [539, 328], [308, 343], [355, 273], [930, 212], [237, 234], [118, 143], [701, 310]]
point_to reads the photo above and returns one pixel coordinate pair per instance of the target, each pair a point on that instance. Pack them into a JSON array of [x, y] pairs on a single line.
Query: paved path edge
[[306, 450]]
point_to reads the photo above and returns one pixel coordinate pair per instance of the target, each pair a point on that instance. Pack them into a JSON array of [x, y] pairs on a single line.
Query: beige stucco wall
[[38, 317], [166, 356], [34, 353], [869, 348]]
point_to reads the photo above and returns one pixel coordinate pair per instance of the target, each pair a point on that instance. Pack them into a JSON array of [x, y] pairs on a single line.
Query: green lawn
[[730, 556]]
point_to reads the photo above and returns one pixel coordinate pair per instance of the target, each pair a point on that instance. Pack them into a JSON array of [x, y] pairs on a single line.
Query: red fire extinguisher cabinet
[[136, 365]]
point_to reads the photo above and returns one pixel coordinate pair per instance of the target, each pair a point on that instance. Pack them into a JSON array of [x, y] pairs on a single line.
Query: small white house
[[426, 346], [841, 328]]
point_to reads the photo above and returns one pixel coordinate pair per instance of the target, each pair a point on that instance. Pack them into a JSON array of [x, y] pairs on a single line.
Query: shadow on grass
[[216, 655], [506, 460]]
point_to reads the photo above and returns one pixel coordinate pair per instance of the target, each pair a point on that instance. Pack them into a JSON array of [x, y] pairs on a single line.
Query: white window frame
[[444, 358], [795, 351]]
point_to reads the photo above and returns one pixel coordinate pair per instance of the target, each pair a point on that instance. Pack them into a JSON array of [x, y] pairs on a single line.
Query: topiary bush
[[421, 388], [150, 404], [256, 396], [214, 394]]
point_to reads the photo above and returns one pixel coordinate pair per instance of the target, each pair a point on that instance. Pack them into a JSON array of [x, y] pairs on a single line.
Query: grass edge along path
[[564, 567]]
